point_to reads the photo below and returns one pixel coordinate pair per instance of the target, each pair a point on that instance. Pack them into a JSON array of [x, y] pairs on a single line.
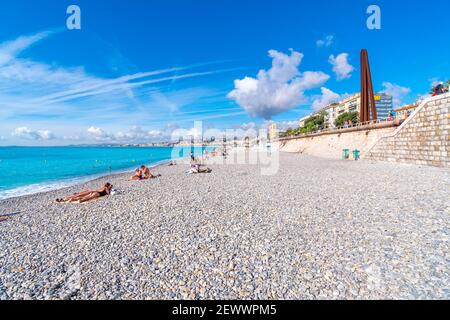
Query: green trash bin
[[345, 154], [356, 154]]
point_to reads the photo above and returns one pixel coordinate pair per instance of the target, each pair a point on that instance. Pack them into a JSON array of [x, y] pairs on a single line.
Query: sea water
[[27, 170]]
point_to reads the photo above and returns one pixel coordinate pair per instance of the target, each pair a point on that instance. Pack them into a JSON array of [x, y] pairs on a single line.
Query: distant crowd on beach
[[196, 166]]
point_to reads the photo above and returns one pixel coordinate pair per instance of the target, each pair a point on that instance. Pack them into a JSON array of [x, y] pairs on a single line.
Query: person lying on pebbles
[[197, 168], [147, 174], [137, 176], [88, 195], [143, 173]]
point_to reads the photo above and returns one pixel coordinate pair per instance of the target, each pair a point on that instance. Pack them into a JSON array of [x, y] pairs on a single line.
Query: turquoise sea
[[26, 170]]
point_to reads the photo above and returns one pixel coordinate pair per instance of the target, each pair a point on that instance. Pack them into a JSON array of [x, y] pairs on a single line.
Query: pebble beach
[[318, 229]]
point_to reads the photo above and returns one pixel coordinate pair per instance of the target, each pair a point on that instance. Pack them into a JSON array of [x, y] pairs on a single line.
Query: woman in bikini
[[137, 175], [87, 195]]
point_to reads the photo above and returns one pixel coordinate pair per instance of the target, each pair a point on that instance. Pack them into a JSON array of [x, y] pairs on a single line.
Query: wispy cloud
[[326, 42], [32, 90], [122, 83], [10, 49], [397, 92]]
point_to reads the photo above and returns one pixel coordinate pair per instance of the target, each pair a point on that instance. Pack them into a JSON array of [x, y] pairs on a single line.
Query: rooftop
[[408, 107]]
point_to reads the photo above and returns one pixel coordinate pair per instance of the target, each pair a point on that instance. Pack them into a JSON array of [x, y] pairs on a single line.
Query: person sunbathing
[[196, 167], [204, 170], [146, 174], [87, 195], [137, 176]]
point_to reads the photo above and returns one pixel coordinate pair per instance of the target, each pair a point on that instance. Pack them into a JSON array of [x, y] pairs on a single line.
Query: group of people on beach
[[141, 173]]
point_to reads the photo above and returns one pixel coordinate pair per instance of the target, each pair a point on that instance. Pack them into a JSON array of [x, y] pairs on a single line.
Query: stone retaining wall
[[331, 145], [422, 139]]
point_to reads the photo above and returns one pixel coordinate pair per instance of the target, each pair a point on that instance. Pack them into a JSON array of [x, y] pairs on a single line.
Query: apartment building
[[383, 103]]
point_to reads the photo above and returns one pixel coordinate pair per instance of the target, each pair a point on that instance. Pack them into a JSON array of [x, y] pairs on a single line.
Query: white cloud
[[46, 134], [325, 99], [155, 134], [135, 134], [72, 138], [26, 133], [312, 79], [326, 42], [341, 66], [98, 133], [164, 134], [277, 90], [397, 92]]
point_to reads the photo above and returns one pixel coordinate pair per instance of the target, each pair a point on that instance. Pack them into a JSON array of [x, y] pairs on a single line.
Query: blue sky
[[138, 69]]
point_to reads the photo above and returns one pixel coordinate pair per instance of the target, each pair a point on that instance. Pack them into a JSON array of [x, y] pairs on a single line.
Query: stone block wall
[[422, 139], [331, 145]]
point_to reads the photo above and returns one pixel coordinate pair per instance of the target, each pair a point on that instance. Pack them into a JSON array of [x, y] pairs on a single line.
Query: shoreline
[[51, 186], [56, 185]]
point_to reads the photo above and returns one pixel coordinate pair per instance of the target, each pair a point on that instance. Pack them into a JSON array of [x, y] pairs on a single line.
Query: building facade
[[384, 105], [331, 115], [350, 104], [301, 122], [273, 132]]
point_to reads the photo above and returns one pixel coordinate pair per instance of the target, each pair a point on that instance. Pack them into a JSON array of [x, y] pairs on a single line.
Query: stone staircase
[[422, 139]]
